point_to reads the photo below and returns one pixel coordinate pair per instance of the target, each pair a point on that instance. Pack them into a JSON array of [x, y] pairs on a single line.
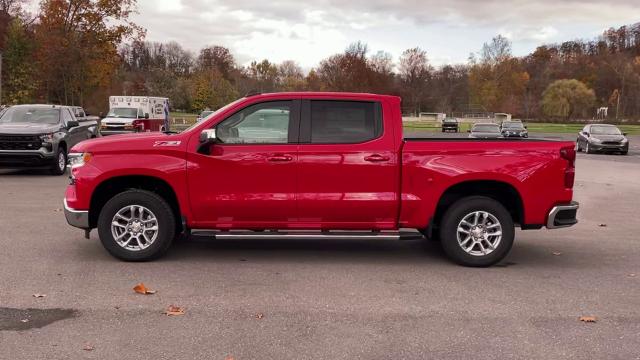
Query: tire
[[59, 167], [474, 256], [148, 246], [625, 152], [578, 148], [587, 149]]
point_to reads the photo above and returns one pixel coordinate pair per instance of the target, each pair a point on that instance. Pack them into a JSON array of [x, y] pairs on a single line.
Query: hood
[[608, 137], [133, 142], [28, 128]]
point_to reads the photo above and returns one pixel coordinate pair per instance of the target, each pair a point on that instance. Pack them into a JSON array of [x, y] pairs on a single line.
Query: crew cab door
[[247, 179], [348, 169]]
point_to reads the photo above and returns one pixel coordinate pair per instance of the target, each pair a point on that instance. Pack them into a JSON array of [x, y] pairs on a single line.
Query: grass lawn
[[532, 127]]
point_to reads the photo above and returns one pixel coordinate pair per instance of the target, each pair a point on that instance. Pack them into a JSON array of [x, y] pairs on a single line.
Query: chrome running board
[[304, 235]]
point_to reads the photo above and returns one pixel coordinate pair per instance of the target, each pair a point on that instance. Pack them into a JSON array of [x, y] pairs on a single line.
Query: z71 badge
[[167, 143]]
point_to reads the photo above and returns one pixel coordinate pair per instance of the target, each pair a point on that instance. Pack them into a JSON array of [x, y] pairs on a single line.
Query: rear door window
[[344, 122]]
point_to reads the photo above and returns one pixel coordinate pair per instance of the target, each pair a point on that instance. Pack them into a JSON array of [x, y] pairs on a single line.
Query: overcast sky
[[308, 31]]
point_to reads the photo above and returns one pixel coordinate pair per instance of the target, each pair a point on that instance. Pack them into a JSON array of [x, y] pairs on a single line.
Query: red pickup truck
[[317, 165]]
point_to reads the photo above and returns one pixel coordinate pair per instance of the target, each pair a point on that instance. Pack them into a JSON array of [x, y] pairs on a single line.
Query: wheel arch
[[500, 191], [115, 185]]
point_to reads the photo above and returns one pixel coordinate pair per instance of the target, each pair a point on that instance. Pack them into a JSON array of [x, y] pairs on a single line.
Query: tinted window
[[345, 121], [486, 128], [265, 123]]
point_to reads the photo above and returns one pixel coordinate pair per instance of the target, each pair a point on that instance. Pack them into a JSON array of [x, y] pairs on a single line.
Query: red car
[[317, 165]]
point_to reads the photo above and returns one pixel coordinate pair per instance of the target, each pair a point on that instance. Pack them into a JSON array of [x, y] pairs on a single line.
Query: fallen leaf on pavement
[[141, 289], [57, 210], [557, 253], [39, 295], [174, 310], [603, 225], [589, 319], [88, 347], [24, 320], [632, 275], [229, 357], [259, 316]]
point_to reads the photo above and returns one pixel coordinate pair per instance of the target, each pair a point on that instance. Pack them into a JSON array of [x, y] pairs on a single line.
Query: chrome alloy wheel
[[134, 227], [479, 233]]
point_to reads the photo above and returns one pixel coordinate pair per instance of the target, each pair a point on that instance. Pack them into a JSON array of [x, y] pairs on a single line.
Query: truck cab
[[317, 165]]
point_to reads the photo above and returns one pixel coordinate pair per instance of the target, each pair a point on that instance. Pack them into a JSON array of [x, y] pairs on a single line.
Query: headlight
[[79, 159], [47, 138], [625, 140]]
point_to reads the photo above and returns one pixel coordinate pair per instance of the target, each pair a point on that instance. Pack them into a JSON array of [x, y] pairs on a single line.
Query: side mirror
[[624, 134], [469, 130], [146, 115], [585, 133], [207, 137], [72, 124]]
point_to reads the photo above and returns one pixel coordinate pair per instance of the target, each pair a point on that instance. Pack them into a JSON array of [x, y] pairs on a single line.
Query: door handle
[[376, 158], [280, 158]]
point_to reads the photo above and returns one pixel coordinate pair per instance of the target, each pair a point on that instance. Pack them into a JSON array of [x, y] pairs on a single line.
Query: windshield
[[605, 130], [450, 120], [24, 114], [129, 113], [486, 128], [513, 125]]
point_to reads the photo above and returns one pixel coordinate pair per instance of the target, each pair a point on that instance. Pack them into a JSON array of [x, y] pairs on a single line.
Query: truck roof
[[327, 94]]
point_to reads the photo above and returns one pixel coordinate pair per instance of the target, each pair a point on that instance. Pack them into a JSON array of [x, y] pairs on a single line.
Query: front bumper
[[608, 147], [26, 158], [77, 218], [563, 216]]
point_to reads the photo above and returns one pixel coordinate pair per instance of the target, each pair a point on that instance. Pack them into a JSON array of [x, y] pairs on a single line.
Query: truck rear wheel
[[477, 231], [136, 225]]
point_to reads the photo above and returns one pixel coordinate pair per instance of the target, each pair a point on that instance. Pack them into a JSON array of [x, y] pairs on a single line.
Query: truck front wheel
[[136, 225], [477, 231]]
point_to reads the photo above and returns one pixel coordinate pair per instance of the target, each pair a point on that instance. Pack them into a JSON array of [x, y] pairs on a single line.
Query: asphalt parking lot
[[280, 299]]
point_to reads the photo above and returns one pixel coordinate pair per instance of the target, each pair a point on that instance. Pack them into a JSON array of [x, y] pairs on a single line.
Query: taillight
[[569, 153]]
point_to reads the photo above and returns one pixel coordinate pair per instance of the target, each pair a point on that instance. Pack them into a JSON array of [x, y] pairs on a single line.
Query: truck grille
[[20, 142]]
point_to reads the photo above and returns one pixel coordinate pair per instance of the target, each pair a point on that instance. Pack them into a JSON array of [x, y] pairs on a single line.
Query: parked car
[[203, 115], [317, 165], [450, 124], [602, 138], [130, 114], [38, 136], [485, 131], [514, 129]]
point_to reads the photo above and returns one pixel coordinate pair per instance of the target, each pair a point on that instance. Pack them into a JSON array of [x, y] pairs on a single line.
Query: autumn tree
[[290, 76], [414, 73], [20, 84], [78, 41], [567, 98], [498, 81]]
